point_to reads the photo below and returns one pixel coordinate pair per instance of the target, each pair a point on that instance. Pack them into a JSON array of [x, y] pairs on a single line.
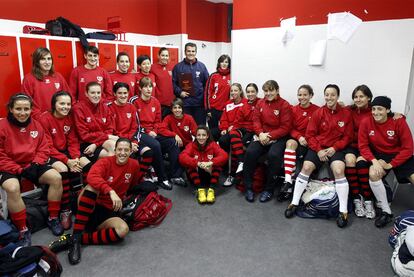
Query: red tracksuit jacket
[[392, 137], [125, 120], [127, 78], [164, 91], [20, 146], [61, 135], [81, 76], [106, 175], [357, 117], [244, 116], [93, 123], [42, 91], [150, 116], [328, 128], [229, 113], [273, 117], [217, 92], [184, 127], [212, 152], [301, 117]]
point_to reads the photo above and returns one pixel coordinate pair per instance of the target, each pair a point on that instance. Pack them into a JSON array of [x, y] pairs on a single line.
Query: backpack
[[400, 224], [146, 210], [22, 261], [319, 200], [37, 213]]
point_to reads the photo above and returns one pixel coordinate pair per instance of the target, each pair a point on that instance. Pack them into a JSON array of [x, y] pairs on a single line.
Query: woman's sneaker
[[66, 219], [55, 226], [201, 196], [229, 181], [210, 196], [359, 208], [369, 209]]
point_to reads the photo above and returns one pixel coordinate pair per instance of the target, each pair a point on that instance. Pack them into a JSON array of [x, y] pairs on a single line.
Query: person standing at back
[[189, 80]]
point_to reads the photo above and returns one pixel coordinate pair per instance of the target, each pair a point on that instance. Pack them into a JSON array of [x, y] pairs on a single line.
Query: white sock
[[300, 185], [342, 190], [380, 194]]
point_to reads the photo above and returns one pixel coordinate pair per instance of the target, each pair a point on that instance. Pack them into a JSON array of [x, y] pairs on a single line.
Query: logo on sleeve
[[186, 128], [54, 131], [34, 134], [276, 112], [88, 119], [341, 124], [47, 81], [305, 114], [104, 119], [57, 85]]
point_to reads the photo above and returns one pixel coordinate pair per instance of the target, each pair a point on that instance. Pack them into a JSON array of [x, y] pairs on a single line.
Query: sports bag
[[146, 210], [8, 233], [101, 35], [37, 213], [49, 264], [319, 200], [27, 29], [400, 224]]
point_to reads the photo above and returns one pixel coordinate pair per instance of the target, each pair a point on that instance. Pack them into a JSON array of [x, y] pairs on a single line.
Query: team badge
[[23, 130], [132, 84], [34, 134], [210, 157], [276, 112], [261, 109], [198, 74], [54, 131], [170, 72], [57, 85], [66, 129], [305, 114], [153, 109], [104, 119], [186, 128], [99, 78], [128, 115], [196, 157], [88, 119], [390, 133], [47, 81], [110, 179], [179, 124], [341, 124], [127, 176], [371, 133], [82, 80]]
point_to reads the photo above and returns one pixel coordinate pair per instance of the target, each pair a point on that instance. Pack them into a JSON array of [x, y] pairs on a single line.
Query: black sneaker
[[178, 182], [55, 226], [167, 185], [74, 253], [61, 244], [290, 211], [249, 195], [342, 220], [285, 193], [383, 219], [265, 196], [25, 238]]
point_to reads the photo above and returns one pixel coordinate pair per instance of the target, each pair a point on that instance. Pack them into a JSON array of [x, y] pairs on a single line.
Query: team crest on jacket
[[47, 81], [276, 112], [57, 85], [341, 124], [305, 113], [82, 80], [371, 133], [104, 119], [170, 72], [99, 78], [34, 134], [198, 74], [210, 157], [390, 133], [66, 129], [88, 119], [132, 84], [110, 179], [186, 128], [127, 176], [54, 131], [128, 115], [153, 109], [196, 157]]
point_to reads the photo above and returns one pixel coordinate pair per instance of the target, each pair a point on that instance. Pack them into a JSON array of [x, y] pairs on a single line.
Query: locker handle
[[4, 53], [61, 56]]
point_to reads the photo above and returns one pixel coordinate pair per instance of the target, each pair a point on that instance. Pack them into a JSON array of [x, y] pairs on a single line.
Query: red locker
[[107, 56], [130, 50], [27, 46], [9, 71], [79, 53], [173, 55], [143, 50], [62, 56]]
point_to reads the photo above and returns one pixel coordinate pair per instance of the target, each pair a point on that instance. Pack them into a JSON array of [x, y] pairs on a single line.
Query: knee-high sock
[[379, 191], [215, 175], [85, 209], [342, 190], [352, 177], [236, 144], [300, 185], [363, 179], [19, 219], [53, 207], [66, 189], [289, 163], [102, 236], [194, 177], [146, 161]]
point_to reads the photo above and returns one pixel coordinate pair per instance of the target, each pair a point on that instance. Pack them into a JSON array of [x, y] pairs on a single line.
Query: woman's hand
[[112, 137], [264, 138], [179, 141], [302, 141], [134, 147], [74, 165], [116, 201], [184, 94], [90, 149], [377, 168], [323, 155], [152, 134], [330, 151]]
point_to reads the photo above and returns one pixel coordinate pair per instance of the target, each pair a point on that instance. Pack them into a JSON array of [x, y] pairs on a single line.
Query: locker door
[[28, 46], [80, 60], [130, 50], [173, 55], [9, 71], [107, 56], [62, 56]]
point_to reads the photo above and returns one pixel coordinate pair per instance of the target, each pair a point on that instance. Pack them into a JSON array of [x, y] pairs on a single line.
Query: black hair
[[120, 54], [19, 96], [332, 86], [162, 49], [92, 49], [252, 85], [209, 139], [142, 58], [365, 90], [123, 140], [190, 44], [56, 95], [119, 85], [307, 87]]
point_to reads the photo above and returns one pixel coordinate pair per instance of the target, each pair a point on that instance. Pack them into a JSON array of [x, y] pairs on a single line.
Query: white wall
[[209, 52], [379, 55]]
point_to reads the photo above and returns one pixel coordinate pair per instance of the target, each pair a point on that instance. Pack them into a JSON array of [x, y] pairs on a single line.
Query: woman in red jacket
[[24, 152], [164, 90], [297, 145], [123, 73], [94, 124], [203, 160], [217, 93], [329, 132], [387, 144], [43, 81], [272, 121], [65, 154]]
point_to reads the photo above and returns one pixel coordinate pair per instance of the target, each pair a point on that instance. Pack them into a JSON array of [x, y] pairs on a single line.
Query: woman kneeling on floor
[[203, 160], [97, 219]]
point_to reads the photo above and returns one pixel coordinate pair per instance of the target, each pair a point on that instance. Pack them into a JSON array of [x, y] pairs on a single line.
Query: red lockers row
[[14, 65]]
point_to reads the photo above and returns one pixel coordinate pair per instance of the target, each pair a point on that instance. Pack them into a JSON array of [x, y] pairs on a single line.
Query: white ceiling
[[221, 1]]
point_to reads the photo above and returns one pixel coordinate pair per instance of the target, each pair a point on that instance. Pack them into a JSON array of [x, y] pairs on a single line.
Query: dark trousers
[[224, 142], [274, 152], [213, 123], [198, 113]]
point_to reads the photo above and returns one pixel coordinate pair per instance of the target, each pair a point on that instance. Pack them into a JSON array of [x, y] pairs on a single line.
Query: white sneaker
[[369, 210], [229, 181], [359, 208], [239, 167]]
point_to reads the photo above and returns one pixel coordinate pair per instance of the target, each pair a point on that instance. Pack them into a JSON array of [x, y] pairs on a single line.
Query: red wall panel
[[107, 56], [62, 56], [130, 50], [267, 13], [28, 46], [173, 55], [143, 50], [172, 17], [9, 71]]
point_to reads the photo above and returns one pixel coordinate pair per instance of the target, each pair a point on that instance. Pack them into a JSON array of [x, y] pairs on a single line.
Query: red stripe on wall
[[267, 13]]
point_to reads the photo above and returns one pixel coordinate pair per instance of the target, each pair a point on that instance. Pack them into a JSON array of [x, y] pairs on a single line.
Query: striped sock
[[236, 144], [215, 175], [145, 163], [352, 177], [290, 164], [194, 177], [66, 188], [102, 236], [85, 209], [342, 190], [363, 179]]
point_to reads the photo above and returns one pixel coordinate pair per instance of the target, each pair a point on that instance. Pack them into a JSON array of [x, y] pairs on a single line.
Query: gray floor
[[236, 238]]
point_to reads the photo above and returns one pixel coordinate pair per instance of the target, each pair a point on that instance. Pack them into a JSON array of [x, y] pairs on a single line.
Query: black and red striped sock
[[194, 177], [64, 205], [215, 175], [236, 144], [102, 236], [145, 163], [363, 179], [351, 176], [85, 209]]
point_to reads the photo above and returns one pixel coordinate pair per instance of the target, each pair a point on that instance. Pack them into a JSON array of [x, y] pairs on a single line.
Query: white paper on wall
[[288, 29], [317, 52], [342, 25]]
